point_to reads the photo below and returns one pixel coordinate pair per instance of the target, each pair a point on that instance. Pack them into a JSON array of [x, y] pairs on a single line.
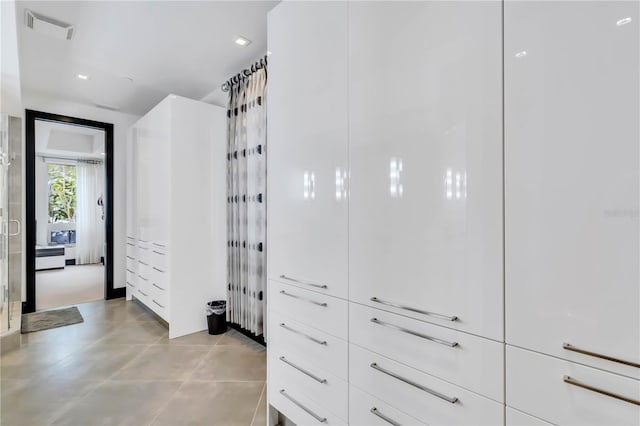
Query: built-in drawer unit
[[425, 397], [143, 250], [566, 393], [518, 418], [469, 361], [304, 377], [320, 311], [305, 342], [366, 410], [159, 258], [298, 407]]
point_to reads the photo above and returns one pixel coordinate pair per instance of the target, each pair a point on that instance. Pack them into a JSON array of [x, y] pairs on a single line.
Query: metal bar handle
[[375, 412], [284, 277], [571, 381], [131, 244], [414, 333], [302, 370], [143, 241], [452, 400], [154, 301], [293, 330], [157, 286], [129, 270], [159, 270], [129, 284], [572, 348], [158, 245], [143, 263], [143, 278], [143, 293], [131, 257], [419, 311], [323, 304], [157, 252], [311, 413], [18, 229], [142, 248]]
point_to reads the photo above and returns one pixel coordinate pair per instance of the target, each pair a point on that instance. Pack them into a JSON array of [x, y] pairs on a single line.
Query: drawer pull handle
[[142, 292], [414, 333], [284, 277], [131, 244], [570, 347], [143, 263], [159, 270], [303, 298], [143, 241], [154, 301], [311, 413], [157, 286], [143, 248], [143, 278], [157, 252], [132, 258], [129, 284], [129, 270], [158, 245], [302, 370], [414, 384], [573, 382], [408, 308], [313, 339], [375, 412]]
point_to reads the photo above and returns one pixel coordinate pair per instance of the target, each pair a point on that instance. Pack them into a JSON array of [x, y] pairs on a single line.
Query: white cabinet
[[176, 211], [307, 156], [572, 108], [425, 153]]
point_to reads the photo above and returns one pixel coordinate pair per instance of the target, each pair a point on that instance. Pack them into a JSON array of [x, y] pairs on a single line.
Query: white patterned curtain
[[246, 203], [89, 214]]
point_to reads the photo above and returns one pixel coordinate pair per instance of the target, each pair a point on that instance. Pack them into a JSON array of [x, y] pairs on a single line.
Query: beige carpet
[[69, 286]]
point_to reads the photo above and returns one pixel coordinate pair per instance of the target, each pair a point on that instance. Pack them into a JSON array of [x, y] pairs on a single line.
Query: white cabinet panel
[[427, 398], [535, 384], [320, 311], [474, 362], [518, 418], [572, 109], [298, 407], [302, 341], [307, 126], [366, 410], [425, 151]]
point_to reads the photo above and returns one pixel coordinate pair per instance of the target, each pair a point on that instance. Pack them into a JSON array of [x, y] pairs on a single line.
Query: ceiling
[[68, 141], [181, 47]]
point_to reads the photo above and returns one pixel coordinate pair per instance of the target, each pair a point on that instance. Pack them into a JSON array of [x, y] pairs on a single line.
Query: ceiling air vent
[[48, 26]]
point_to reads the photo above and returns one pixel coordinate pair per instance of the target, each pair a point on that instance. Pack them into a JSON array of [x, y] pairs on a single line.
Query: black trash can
[[217, 316]]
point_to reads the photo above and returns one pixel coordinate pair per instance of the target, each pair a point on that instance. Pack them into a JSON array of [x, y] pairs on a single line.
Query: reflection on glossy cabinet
[[572, 180], [307, 157], [425, 152]]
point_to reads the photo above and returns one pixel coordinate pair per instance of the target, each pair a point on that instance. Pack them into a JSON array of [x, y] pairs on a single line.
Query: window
[[62, 193]]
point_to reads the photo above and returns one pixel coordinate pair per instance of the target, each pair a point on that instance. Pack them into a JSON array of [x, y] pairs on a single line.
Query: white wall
[[10, 68], [121, 123]]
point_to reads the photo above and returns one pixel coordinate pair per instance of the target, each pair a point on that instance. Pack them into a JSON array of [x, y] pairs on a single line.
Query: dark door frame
[[30, 159]]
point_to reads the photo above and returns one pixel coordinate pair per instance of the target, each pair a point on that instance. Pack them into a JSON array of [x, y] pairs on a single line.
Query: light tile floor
[[120, 368]]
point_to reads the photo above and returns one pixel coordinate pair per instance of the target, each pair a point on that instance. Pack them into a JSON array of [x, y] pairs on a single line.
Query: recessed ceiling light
[[242, 41], [624, 21], [521, 54], [83, 77]]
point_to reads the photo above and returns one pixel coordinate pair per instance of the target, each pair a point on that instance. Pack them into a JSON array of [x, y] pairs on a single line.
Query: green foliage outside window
[[62, 193]]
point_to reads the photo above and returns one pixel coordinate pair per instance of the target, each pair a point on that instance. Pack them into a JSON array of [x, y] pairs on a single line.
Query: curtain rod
[[79, 160], [244, 74]]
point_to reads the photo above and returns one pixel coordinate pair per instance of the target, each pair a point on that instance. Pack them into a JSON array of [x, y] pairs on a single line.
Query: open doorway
[[69, 213]]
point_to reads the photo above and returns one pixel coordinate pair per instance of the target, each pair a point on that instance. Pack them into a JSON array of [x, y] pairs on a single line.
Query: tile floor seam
[[122, 367], [75, 400], [255, 412], [201, 362], [166, 403]]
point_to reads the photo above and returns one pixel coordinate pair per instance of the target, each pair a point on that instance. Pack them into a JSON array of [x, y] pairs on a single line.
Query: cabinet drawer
[[157, 294], [427, 398], [132, 264], [132, 249], [143, 252], [298, 407], [159, 276], [320, 311], [474, 363], [158, 307], [302, 341], [536, 384], [366, 410], [301, 376], [131, 276], [159, 258], [518, 418]]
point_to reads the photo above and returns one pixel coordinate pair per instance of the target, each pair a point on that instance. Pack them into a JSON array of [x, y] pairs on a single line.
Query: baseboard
[[258, 339], [9, 341], [117, 293]]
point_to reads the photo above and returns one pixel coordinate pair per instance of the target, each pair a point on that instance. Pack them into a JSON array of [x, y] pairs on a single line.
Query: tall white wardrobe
[[176, 211], [453, 213]]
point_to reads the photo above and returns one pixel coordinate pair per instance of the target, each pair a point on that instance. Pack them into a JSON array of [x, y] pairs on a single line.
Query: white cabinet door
[[307, 150], [425, 151], [572, 182]]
